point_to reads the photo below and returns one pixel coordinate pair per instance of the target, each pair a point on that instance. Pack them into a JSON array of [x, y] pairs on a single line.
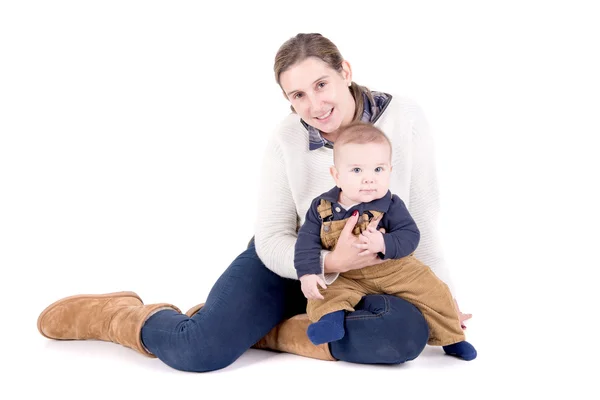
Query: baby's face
[[362, 171]]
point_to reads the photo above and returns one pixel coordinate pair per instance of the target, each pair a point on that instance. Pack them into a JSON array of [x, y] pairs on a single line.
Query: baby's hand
[[371, 241], [310, 288]]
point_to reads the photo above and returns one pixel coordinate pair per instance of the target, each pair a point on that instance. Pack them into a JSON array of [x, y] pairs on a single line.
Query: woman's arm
[[277, 220]]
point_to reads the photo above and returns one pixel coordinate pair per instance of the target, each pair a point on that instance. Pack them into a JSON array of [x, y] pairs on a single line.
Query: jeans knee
[[411, 331], [401, 349], [196, 358], [383, 330], [192, 350]]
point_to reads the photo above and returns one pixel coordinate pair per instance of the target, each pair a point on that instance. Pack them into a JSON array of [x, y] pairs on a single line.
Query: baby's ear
[[335, 174]]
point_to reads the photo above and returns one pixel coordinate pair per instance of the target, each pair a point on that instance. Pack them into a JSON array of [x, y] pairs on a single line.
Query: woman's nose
[[313, 102]]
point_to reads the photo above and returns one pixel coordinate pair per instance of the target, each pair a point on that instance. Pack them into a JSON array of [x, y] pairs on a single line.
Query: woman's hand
[[345, 256]]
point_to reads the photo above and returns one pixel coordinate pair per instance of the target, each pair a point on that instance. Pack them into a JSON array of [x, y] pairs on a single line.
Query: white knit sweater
[[292, 176]]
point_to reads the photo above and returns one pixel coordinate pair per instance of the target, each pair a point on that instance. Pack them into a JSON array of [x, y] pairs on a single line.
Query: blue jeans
[[248, 300]]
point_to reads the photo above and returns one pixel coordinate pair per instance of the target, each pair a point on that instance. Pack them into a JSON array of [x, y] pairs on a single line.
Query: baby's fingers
[[322, 283], [316, 295], [374, 222]]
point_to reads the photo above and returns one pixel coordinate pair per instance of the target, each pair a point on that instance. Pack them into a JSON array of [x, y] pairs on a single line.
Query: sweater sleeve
[[277, 220], [424, 197]]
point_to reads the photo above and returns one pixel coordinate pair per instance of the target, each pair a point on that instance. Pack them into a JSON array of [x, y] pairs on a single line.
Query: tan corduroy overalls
[[407, 278]]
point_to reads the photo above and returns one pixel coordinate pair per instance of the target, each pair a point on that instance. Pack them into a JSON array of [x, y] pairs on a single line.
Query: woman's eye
[[297, 96]]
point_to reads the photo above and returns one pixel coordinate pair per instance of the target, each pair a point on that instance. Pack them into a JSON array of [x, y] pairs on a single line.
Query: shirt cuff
[[329, 278]]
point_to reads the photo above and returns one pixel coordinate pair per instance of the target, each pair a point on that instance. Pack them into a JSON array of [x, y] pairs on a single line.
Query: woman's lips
[[325, 117]]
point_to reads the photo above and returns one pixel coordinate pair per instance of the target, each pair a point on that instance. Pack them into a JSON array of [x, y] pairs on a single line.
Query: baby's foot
[[462, 350], [328, 329]]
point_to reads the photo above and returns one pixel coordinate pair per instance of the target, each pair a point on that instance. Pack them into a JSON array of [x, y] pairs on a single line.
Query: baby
[[362, 167]]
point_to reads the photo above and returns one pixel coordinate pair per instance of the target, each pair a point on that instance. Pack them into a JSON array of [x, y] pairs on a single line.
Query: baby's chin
[[365, 197]]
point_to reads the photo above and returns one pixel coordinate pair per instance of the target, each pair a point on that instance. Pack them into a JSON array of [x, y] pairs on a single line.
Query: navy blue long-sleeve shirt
[[401, 238]]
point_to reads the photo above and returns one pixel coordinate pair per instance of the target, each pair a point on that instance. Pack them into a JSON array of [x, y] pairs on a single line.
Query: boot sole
[[82, 296]]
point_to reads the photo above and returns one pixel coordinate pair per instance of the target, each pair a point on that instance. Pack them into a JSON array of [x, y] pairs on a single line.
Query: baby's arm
[[307, 252], [403, 235], [401, 238], [307, 255]]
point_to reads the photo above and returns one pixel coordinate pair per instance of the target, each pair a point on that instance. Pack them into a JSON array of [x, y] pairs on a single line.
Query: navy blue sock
[[462, 350], [328, 329]]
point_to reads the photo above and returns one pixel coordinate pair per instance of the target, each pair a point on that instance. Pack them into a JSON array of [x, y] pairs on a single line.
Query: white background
[[131, 134]]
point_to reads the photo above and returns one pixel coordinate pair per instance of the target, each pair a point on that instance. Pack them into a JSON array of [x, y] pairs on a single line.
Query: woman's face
[[319, 94]]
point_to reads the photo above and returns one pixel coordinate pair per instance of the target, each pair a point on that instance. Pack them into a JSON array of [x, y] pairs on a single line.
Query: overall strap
[[324, 209]]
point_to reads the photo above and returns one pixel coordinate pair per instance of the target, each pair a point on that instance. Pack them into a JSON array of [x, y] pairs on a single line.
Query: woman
[[260, 289]]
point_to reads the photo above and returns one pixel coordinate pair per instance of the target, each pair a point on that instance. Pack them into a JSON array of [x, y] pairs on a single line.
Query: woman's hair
[[305, 45], [360, 133]]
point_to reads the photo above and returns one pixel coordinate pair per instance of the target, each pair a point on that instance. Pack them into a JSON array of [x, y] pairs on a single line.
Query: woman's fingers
[[350, 224]]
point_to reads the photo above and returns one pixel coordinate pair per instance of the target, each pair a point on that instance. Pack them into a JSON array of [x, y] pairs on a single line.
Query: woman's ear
[[347, 72]]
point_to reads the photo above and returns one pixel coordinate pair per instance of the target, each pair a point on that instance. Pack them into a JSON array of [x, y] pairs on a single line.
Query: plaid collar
[[371, 113]]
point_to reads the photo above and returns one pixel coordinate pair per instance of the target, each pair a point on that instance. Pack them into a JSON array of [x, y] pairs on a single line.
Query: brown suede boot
[[288, 337], [113, 317]]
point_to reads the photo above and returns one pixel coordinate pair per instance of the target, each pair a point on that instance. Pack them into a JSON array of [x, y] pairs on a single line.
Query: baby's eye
[[356, 170], [379, 169]]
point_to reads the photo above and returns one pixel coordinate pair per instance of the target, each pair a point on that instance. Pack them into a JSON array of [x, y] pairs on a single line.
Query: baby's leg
[[328, 314], [417, 283]]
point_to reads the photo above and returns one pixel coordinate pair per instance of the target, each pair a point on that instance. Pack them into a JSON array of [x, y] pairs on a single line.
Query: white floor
[[75, 370], [35, 366]]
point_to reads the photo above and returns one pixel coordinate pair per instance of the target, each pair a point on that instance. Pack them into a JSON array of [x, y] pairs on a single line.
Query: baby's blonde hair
[[360, 133]]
